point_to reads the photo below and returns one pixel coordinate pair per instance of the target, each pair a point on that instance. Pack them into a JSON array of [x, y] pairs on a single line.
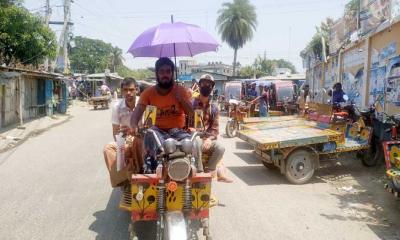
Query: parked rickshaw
[[295, 144], [238, 111], [232, 90]]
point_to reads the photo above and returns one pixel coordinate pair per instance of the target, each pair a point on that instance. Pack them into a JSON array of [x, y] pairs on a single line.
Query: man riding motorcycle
[[173, 104], [338, 94]]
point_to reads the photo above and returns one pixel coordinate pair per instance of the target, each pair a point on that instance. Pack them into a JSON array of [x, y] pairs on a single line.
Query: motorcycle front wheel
[[231, 128]]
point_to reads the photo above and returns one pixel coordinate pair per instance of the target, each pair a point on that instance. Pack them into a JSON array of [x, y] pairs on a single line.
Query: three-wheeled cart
[[295, 144]]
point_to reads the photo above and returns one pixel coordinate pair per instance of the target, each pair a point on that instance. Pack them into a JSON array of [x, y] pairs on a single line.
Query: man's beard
[[165, 85]]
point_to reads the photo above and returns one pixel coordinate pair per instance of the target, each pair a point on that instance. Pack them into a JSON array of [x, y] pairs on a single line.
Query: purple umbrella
[[173, 40]]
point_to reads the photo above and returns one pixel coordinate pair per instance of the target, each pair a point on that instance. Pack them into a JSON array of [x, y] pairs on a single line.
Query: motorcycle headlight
[[186, 146], [169, 146], [179, 169]]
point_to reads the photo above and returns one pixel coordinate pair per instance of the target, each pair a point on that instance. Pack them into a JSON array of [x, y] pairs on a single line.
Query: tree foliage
[[8, 3], [236, 23], [139, 74], [93, 55], [116, 58], [24, 38], [315, 46], [351, 9], [265, 67]]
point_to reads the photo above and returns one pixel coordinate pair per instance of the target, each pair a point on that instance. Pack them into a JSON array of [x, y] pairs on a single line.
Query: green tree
[[236, 23], [265, 67], [8, 3], [23, 36], [247, 71], [90, 55], [315, 46], [281, 63], [116, 58], [139, 74]]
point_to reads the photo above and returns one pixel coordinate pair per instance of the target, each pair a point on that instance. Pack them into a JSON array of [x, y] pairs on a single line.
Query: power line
[[202, 12]]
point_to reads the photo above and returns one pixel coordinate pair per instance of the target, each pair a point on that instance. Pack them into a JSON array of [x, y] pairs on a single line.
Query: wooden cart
[[295, 145], [101, 101]]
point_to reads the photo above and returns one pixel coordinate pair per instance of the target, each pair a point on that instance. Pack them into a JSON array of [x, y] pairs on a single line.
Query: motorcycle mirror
[[346, 98]]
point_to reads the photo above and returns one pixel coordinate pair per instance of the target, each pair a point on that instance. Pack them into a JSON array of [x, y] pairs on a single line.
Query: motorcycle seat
[[341, 114]]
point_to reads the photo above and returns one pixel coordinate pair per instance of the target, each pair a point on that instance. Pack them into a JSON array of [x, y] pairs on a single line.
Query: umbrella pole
[[176, 68]]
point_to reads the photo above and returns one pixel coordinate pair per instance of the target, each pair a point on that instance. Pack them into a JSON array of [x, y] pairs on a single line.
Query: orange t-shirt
[[170, 113]]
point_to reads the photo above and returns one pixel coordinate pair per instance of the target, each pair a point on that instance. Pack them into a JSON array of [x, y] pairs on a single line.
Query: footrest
[[126, 199]]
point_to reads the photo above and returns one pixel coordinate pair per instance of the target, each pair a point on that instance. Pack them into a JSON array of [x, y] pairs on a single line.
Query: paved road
[[55, 186]]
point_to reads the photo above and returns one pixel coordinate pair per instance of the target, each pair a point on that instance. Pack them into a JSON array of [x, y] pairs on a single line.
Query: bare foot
[[224, 179]]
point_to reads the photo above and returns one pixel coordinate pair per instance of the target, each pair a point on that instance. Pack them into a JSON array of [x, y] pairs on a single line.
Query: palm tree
[[116, 58], [236, 23]]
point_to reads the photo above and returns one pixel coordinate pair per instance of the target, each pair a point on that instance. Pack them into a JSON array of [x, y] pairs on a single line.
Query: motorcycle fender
[[176, 225]]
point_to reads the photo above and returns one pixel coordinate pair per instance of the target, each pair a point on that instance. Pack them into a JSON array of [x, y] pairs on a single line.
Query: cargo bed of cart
[[295, 145]]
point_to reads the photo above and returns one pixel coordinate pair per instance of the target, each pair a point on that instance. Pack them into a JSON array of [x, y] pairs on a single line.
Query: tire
[[268, 165], [231, 128], [95, 107], [373, 156], [300, 166], [396, 185]]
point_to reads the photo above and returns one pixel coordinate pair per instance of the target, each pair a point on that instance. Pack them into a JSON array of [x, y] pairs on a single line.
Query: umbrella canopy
[[173, 40]]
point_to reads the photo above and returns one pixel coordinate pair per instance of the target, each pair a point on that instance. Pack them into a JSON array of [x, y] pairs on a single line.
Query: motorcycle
[[238, 111], [345, 112], [170, 191]]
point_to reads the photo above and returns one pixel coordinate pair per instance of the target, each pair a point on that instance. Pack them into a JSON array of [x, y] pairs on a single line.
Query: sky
[[284, 26]]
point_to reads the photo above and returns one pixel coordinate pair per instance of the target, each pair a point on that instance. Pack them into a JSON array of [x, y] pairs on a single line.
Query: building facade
[[26, 95]]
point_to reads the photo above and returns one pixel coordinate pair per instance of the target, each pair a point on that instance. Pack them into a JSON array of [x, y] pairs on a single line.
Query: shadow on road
[[244, 146], [362, 198], [248, 157], [258, 175], [112, 223]]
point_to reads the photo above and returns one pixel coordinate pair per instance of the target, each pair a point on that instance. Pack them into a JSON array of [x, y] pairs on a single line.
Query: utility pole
[[290, 42], [64, 37], [48, 12], [358, 14], [67, 17]]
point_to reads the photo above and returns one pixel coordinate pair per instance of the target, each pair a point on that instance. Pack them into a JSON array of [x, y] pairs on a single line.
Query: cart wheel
[[231, 128], [373, 156], [300, 166], [268, 165]]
